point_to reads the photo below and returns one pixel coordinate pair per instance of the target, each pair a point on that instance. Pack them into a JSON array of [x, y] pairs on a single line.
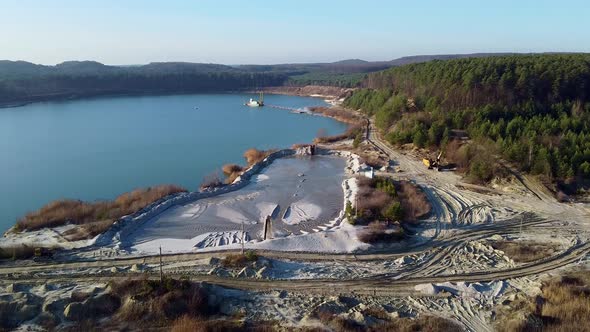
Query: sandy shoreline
[[294, 233]]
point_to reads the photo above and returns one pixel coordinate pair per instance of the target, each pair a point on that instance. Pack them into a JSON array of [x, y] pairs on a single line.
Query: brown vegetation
[[254, 156], [336, 322], [414, 202], [96, 216], [17, 252], [232, 171], [228, 169], [339, 113], [524, 251], [564, 305], [239, 260], [375, 197], [350, 133], [187, 323], [381, 232], [477, 160], [422, 323], [387, 323], [375, 161], [155, 301], [210, 181]]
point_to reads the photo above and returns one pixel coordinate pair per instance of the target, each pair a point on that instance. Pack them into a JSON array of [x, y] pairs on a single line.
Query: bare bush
[[232, 171], [373, 200], [229, 169], [211, 180], [98, 215], [254, 156], [380, 232], [415, 204], [239, 260]]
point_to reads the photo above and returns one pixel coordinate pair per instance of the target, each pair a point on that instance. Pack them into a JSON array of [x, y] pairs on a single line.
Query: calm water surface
[[98, 148]]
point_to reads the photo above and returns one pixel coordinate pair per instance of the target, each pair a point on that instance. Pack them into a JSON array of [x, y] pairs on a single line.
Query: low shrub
[[232, 171], [239, 260], [414, 202], [152, 300], [229, 169], [254, 156], [210, 181], [381, 232]]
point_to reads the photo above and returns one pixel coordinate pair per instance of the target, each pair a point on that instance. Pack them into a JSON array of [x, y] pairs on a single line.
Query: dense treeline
[[90, 79], [327, 79], [24, 82], [532, 110]]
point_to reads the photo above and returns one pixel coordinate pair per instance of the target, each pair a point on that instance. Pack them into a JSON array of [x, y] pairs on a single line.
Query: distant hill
[[22, 81]]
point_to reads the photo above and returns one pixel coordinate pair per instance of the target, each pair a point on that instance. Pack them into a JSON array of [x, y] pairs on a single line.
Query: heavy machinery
[[433, 163]]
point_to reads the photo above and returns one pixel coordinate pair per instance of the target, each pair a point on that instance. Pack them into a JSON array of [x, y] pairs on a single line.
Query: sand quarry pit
[[302, 194]]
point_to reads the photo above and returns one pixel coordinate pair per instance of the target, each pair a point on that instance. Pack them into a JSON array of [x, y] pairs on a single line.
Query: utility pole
[[161, 274], [242, 237]]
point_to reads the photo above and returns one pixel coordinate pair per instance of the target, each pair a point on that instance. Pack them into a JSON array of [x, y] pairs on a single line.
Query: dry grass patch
[[96, 216], [350, 133], [421, 323], [564, 305], [525, 251], [192, 324], [337, 323], [339, 114]]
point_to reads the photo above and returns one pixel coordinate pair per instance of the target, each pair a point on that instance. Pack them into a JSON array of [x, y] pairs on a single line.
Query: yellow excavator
[[433, 163]]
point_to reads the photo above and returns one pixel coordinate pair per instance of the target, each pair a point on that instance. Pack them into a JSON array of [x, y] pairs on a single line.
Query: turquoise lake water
[[98, 148]]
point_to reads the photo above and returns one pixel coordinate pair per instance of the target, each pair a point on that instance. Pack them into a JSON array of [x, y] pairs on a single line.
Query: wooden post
[[161, 274]]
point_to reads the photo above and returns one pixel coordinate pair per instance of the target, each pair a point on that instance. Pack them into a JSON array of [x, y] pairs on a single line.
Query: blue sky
[[281, 31]]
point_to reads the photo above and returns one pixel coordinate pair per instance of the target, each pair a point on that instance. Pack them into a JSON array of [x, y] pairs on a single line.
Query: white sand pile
[[465, 290]]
